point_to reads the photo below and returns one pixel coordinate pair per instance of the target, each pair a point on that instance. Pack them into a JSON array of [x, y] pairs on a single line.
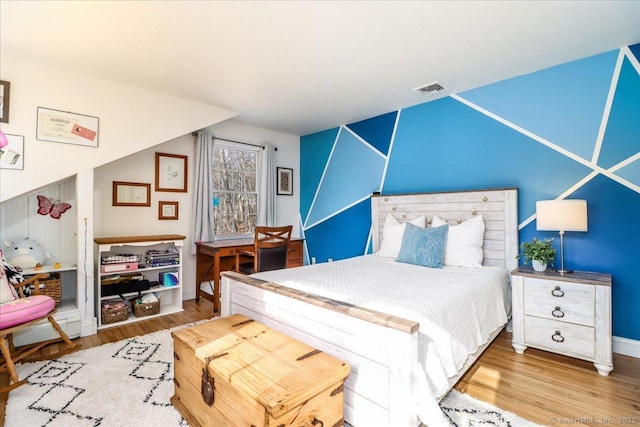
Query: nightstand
[[569, 314]]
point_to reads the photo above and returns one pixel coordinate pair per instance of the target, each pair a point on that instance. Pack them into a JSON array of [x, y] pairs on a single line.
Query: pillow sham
[[392, 235], [423, 246], [464, 242]]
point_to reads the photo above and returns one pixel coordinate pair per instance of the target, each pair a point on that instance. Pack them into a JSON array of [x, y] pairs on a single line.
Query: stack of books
[[158, 258]]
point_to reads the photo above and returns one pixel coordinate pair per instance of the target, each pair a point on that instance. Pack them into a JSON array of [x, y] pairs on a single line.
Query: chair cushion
[[25, 310]]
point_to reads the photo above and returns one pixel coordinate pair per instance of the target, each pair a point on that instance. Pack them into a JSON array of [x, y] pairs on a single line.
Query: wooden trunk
[[262, 377]]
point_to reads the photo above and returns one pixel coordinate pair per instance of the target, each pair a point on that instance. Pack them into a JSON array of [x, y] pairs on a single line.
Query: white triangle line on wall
[[607, 108], [391, 144], [632, 58], [625, 162], [326, 166], [523, 131], [562, 196], [549, 144], [369, 146], [339, 211]]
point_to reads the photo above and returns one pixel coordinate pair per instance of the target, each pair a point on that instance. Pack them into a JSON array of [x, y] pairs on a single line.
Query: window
[[234, 187]]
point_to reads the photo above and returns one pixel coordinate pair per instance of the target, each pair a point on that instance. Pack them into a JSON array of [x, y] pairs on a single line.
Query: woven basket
[[145, 309], [111, 315], [52, 287]]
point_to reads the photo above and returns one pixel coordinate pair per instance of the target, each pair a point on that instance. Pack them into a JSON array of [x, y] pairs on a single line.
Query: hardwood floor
[[543, 387], [550, 389]]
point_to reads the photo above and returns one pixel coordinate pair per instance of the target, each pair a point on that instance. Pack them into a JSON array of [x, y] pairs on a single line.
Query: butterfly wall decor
[[47, 207]]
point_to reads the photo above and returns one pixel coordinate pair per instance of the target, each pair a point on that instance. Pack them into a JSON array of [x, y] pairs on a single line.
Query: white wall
[[130, 119], [112, 221]]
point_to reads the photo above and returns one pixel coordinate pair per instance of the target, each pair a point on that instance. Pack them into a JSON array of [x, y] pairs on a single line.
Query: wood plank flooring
[[542, 387]]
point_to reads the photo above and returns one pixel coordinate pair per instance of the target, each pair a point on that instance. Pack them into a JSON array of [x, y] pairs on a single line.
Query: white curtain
[[202, 203], [267, 190]]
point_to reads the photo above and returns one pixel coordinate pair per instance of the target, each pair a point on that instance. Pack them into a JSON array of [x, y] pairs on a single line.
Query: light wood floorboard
[[543, 387]]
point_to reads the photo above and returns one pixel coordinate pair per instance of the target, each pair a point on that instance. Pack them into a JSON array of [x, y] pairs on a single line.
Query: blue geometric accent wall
[[569, 131]]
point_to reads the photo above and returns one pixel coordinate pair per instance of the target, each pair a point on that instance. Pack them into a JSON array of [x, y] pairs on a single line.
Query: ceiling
[[303, 66]]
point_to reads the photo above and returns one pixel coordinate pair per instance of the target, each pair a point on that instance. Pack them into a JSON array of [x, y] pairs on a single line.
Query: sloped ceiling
[[300, 67]]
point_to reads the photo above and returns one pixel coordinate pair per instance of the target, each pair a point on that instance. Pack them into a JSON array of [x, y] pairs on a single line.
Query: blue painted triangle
[[377, 131], [562, 104], [635, 49], [354, 172], [314, 154]]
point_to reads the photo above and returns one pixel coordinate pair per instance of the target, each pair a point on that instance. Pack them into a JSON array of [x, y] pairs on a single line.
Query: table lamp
[[561, 216]]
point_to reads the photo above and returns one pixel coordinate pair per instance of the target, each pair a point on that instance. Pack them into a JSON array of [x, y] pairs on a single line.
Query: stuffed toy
[[25, 254]]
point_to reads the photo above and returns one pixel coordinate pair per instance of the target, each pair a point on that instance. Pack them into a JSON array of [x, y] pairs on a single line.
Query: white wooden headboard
[[499, 208]]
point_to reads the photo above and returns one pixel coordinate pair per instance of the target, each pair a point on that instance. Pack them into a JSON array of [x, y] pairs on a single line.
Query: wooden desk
[[214, 257]]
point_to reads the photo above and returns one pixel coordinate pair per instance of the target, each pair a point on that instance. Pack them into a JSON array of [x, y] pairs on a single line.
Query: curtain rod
[[237, 142]]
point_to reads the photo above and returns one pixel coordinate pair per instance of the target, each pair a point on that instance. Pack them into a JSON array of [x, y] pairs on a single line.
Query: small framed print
[[131, 194], [167, 210], [67, 127], [285, 181], [12, 155], [4, 101], [171, 172]]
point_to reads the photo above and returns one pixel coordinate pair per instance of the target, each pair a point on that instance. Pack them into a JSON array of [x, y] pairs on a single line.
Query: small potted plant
[[539, 252]]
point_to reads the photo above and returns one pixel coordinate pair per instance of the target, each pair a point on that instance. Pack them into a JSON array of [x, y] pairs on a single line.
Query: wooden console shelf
[[169, 295]]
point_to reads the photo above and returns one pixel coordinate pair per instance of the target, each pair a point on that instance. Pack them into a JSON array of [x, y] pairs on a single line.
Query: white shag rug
[[130, 382]]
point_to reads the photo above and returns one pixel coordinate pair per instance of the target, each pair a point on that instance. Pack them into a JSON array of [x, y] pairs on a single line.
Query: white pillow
[[392, 233], [464, 242]]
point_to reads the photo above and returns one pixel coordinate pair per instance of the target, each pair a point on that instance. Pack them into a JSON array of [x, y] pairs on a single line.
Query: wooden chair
[[271, 246], [17, 314]]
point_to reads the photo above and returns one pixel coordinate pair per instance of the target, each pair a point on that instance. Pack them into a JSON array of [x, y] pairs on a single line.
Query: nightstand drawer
[[563, 301], [569, 292], [564, 338], [556, 310]]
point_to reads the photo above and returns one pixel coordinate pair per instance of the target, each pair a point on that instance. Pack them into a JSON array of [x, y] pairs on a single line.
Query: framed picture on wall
[[12, 155], [167, 210], [171, 172], [4, 101], [285, 181], [70, 128], [131, 194]]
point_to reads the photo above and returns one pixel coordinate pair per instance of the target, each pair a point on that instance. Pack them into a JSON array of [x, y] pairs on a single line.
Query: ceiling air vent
[[430, 89]]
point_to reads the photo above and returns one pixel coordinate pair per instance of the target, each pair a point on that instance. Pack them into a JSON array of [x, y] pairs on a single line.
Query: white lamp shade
[[561, 215]]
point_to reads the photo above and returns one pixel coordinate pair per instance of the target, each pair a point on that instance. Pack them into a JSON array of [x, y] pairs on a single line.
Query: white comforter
[[457, 308]]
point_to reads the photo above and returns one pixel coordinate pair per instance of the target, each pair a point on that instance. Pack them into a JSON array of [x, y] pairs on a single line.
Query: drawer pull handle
[[557, 313], [557, 292], [557, 337]]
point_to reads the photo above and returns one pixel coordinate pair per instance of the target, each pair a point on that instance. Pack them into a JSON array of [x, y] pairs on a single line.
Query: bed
[[400, 367]]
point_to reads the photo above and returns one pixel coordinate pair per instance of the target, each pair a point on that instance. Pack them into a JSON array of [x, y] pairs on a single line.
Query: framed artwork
[[285, 181], [171, 172], [4, 101], [66, 127], [131, 194], [167, 210], [12, 155]]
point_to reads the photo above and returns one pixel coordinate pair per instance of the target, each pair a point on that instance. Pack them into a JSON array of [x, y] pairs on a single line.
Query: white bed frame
[[380, 348]]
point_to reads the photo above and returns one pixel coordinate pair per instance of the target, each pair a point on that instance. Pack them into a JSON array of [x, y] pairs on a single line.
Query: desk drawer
[[294, 257]]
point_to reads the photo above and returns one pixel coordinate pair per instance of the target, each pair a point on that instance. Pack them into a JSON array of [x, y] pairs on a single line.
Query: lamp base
[[562, 271]]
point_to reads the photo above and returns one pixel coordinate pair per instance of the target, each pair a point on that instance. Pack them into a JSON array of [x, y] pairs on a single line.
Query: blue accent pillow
[[423, 246]]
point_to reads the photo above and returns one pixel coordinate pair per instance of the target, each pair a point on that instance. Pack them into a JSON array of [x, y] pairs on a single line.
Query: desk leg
[[216, 283]]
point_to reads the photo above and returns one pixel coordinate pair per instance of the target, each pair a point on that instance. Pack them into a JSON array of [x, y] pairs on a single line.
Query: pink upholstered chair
[[18, 311]]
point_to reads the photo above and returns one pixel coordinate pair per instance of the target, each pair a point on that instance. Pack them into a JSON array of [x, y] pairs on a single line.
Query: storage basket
[[112, 314], [145, 309], [52, 287]]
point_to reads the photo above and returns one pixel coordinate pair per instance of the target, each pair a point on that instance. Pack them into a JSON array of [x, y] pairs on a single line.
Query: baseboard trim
[[626, 346]]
